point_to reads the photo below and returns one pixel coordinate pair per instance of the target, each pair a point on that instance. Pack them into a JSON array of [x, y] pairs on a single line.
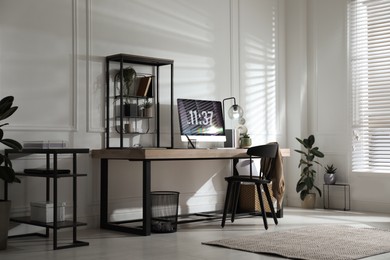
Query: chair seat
[[245, 178]]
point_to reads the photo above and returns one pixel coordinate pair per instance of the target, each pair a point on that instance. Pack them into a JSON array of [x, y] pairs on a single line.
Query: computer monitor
[[201, 120]]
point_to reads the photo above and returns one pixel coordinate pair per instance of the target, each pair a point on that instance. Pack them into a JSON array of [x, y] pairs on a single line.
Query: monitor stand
[[191, 143]]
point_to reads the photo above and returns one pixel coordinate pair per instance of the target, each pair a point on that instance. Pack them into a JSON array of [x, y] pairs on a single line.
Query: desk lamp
[[234, 112]]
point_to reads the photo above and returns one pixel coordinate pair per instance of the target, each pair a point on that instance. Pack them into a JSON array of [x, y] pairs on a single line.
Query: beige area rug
[[321, 242]]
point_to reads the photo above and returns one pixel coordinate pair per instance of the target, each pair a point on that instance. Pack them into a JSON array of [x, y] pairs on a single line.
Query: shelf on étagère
[[139, 133], [132, 97], [60, 224], [135, 117], [48, 175]]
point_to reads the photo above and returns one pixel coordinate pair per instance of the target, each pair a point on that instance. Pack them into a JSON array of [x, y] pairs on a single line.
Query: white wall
[[319, 100], [328, 86], [296, 82], [285, 61], [317, 85], [52, 60]]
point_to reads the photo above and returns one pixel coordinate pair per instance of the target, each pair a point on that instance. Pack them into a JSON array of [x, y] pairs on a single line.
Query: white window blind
[[369, 38]]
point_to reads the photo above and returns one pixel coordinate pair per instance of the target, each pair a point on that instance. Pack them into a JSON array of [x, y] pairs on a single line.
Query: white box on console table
[[43, 211]]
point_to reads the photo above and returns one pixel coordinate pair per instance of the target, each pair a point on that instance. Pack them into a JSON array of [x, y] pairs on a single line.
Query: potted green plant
[[129, 76], [7, 173], [245, 141], [147, 108], [307, 162], [330, 174]]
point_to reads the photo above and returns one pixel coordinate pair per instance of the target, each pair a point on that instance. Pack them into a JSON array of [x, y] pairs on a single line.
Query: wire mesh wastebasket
[[165, 205]]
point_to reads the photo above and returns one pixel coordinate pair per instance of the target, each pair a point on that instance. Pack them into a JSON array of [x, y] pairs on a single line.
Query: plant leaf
[[8, 174], [299, 140], [12, 144], [7, 113], [302, 152], [311, 140], [6, 103], [319, 191], [316, 152], [300, 186], [303, 194]]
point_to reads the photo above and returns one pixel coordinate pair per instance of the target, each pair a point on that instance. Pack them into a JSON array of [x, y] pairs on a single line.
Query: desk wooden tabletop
[[173, 154]]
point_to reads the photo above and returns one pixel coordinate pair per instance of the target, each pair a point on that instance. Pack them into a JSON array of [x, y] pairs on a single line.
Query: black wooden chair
[[267, 154]]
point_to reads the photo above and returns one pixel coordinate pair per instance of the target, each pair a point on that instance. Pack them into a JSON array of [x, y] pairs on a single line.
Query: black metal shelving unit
[[53, 176], [123, 60]]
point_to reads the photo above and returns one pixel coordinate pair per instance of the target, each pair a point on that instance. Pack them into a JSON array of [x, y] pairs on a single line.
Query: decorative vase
[[5, 207], [130, 128], [330, 178], [309, 202]]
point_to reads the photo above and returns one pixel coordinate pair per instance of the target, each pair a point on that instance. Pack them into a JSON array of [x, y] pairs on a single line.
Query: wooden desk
[[146, 156]]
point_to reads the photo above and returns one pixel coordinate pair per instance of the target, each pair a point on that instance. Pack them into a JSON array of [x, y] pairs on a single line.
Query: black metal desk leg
[[103, 192], [147, 201], [55, 202], [74, 198]]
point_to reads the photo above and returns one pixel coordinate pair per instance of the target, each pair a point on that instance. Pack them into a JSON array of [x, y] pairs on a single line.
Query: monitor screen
[[201, 120]]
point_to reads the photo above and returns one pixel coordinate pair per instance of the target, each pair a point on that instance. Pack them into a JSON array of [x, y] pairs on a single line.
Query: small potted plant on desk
[[7, 174], [330, 175], [245, 141]]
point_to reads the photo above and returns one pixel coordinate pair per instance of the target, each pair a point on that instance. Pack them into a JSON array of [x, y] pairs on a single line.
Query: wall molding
[[73, 126], [312, 67], [75, 86], [91, 126], [235, 48]]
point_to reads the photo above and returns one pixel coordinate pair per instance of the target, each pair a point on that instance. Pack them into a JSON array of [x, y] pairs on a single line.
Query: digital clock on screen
[[204, 118], [200, 117]]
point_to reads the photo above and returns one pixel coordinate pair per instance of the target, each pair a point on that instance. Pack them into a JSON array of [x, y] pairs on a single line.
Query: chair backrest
[[267, 153]]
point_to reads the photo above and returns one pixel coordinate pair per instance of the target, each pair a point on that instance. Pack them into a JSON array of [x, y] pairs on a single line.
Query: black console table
[[347, 196], [52, 173]]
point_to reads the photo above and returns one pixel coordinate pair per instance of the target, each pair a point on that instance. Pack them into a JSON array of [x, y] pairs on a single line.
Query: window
[[369, 39]]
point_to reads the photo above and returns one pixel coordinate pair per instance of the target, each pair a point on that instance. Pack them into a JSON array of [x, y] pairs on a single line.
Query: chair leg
[[236, 196], [227, 202], [271, 206], [263, 213]]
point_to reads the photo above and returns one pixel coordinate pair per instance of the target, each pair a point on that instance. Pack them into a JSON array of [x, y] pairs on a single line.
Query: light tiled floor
[[185, 244]]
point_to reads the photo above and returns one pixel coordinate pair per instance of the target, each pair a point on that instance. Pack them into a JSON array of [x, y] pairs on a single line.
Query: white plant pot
[[309, 202], [5, 207]]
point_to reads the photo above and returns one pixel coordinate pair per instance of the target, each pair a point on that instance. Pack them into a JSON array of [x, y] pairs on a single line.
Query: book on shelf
[[144, 85]]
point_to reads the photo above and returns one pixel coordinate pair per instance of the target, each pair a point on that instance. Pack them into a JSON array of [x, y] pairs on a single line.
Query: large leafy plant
[[308, 174], [6, 171]]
